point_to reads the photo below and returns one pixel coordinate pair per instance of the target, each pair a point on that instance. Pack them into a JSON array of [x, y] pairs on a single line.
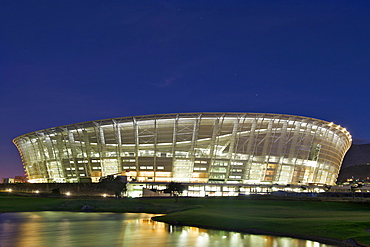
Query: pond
[[48, 228]]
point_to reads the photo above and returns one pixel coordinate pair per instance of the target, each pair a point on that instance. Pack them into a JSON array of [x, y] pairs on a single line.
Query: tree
[[175, 189], [114, 184]]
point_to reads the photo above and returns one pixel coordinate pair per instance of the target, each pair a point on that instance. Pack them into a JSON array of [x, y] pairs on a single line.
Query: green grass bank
[[305, 218]]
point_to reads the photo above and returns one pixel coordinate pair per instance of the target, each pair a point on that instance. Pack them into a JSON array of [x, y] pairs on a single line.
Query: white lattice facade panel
[[196, 147]]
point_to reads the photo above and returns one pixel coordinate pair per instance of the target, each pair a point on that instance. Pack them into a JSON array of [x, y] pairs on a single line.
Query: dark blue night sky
[[70, 61]]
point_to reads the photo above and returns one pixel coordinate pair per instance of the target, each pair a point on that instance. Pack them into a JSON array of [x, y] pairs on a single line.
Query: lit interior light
[[9, 190], [104, 195], [36, 191], [68, 193]]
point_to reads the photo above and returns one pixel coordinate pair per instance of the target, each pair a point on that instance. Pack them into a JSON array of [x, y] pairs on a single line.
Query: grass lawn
[[335, 220]]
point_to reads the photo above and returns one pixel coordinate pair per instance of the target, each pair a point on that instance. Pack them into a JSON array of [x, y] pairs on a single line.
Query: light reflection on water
[[48, 228]]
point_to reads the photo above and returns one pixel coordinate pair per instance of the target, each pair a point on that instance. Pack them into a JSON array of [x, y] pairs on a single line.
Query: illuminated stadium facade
[[222, 148]]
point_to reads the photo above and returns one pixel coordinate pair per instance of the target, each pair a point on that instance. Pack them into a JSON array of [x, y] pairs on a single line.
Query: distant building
[[20, 179], [8, 180], [213, 148], [16, 179]]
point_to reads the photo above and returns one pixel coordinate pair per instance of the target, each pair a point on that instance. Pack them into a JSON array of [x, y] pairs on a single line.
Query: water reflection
[[129, 230]]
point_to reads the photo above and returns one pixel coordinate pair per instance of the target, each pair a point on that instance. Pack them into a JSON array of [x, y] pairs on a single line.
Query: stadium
[[198, 148]]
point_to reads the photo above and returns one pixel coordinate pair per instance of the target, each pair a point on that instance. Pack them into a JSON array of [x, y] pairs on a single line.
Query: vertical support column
[[117, 135], [40, 157], [212, 157], [307, 143], [49, 146], [56, 158], [267, 138], [72, 146], [67, 145], [233, 138], [213, 138], [330, 176], [217, 137], [194, 136], [232, 146], [136, 129], [84, 150], [20, 144], [266, 145], [155, 142], [249, 152], [293, 149], [43, 156], [315, 170], [71, 137], [99, 146], [88, 166], [59, 145], [101, 133], [294, 139], [175, 127], [281, 145]]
